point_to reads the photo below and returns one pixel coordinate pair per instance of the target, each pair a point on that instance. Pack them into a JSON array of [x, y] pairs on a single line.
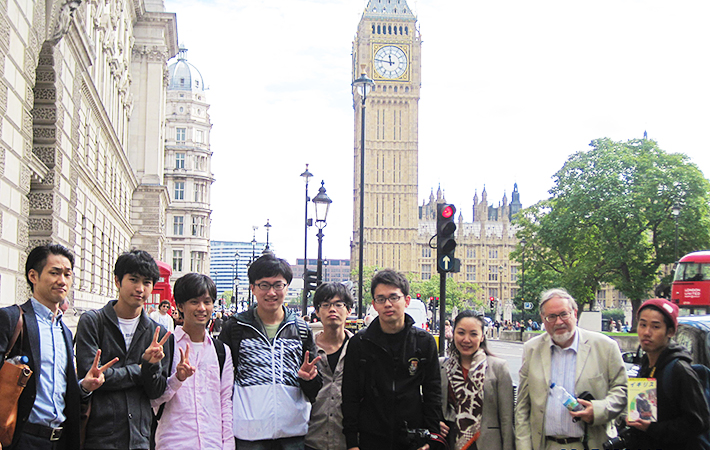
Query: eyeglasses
[[278, 286], [327, 306], [392, 298], [552, 318]]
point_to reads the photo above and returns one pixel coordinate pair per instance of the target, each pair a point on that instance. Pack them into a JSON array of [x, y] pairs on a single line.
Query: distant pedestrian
[[162, 316]]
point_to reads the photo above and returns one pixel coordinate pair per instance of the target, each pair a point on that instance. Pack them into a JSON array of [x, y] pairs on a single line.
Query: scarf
[[468, 393]]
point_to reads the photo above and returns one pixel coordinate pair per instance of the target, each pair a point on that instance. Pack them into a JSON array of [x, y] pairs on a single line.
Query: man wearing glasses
[[391, 380], [580, 361], [333, 303], [274, 377]]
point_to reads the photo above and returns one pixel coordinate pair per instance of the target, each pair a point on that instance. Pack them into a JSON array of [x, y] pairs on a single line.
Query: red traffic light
[[491, 298], [448, 211]]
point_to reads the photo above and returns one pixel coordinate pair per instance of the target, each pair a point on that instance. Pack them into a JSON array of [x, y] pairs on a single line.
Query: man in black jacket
[[682, 409], [391, 379], [120, 412], [48, 408]]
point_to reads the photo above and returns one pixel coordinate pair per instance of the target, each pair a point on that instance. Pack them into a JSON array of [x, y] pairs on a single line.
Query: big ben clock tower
[[387, 49]]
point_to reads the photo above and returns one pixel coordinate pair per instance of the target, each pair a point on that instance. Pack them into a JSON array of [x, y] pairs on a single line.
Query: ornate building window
[[197, 261], [180, 134], [492, 253], [199, 136], [426, 272], [179, 160], [178, 223], [492, 273], [470, 272], [514, 273], [177, 260], [493, 292], [179, 190], [426, 252], [198, 226], [470, 252]]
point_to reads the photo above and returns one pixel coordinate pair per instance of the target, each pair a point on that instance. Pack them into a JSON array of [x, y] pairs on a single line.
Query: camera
[[620, 442], [417, 437]]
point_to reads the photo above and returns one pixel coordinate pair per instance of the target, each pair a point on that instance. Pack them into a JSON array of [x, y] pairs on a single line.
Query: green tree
[[462, 295], [609, 219]]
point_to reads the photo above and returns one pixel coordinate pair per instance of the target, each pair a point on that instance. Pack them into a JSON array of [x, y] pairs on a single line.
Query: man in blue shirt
[[49, 407]]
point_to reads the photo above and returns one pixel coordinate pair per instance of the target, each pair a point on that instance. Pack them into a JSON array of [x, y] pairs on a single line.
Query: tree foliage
[[462, 295], [609, 220]]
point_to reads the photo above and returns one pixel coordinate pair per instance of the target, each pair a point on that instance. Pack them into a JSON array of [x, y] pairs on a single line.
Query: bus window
[[692, 272]]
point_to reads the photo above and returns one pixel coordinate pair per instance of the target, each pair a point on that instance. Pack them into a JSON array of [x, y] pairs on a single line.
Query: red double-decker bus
[[691, 284]]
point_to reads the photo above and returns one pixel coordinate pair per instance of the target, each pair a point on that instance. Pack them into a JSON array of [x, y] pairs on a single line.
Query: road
[[511, 352]]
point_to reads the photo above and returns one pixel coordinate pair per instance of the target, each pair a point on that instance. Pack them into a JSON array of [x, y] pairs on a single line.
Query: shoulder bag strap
[[221, 354], [17, 333]]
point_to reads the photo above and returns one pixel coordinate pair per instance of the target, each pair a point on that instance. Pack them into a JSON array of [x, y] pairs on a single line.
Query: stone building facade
[[188, 170], [483, 246], [82, 98]]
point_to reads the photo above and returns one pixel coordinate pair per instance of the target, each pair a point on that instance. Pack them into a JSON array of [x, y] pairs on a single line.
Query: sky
[[510, 90]]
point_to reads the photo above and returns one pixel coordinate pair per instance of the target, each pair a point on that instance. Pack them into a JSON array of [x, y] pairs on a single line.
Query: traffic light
[[445, 241], [310, 280], [492, 302]]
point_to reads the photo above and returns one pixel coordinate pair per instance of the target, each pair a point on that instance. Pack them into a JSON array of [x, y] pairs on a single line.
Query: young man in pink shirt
[[195, 412]]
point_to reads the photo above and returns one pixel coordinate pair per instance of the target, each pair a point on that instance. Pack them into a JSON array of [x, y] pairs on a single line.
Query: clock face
[[390, 62]]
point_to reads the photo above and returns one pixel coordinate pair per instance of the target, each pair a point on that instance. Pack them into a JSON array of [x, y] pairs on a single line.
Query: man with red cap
[[682, 409]]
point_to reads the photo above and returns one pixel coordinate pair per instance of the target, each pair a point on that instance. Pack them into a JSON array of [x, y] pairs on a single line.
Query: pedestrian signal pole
[[445, 259]]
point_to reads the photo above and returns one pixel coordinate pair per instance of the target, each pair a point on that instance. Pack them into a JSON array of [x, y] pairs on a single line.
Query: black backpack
[[703, 374]]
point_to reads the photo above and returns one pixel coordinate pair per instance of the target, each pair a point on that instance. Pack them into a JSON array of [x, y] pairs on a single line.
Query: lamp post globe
[[322, 203]]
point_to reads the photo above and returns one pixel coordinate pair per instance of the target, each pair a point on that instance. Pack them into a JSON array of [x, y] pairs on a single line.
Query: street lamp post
[[235, 294], [322, 203], [304, 303], [523, 242], [676, 212], [364, 85], [253, 258], [500, 278], [268, 227]]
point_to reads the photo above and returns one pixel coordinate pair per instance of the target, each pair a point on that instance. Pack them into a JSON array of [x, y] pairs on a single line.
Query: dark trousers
[[30, 442]]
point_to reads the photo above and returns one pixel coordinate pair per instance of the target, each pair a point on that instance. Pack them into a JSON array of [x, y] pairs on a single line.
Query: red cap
[[668, 309]]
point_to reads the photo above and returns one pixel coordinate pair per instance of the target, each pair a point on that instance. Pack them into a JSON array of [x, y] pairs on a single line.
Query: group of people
[[267, 382]]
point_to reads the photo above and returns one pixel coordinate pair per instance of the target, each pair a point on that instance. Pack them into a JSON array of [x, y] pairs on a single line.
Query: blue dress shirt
[[49, 404]]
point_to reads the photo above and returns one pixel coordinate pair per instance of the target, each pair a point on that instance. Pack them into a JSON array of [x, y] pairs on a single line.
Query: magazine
[[642, 399]]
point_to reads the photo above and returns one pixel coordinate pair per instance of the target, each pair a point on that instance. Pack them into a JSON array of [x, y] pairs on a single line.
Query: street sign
[[528, 305], [449, 264]]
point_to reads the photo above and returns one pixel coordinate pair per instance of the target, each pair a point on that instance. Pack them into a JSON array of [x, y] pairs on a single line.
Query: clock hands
[[390, 62]]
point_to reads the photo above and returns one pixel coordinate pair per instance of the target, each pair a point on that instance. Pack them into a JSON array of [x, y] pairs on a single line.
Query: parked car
[[416, 309], [693, 333]]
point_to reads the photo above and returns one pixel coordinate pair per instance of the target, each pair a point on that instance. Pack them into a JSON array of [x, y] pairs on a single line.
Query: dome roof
[[183, 76]]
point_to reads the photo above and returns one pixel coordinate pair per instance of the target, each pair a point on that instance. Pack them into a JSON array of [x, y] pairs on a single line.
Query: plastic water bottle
[[565, 397], [18, 360]]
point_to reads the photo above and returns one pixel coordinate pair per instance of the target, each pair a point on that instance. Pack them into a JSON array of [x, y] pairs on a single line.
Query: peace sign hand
[[95, 376], [154, 352], [308, 370], [184, 369]]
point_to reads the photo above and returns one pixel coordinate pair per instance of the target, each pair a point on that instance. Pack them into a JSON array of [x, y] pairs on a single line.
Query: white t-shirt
[[128, 328], [195, 350], [164, 320]]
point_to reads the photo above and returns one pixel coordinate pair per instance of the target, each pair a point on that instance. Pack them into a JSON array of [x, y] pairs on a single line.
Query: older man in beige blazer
[[579, 360]]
